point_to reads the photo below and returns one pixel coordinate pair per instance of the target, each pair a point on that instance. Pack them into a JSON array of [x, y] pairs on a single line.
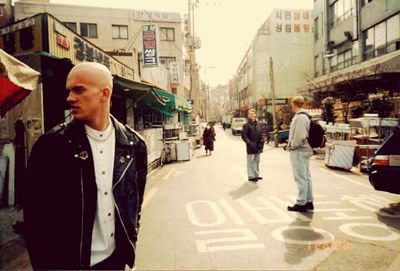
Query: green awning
[[174, 102], [141, 93]]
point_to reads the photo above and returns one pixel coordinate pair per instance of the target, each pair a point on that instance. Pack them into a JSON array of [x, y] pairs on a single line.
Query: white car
[[237, 125]]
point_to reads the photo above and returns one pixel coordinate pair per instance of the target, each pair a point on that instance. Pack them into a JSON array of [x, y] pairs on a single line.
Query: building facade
[[356, 49], [159, 60], [281, 52]]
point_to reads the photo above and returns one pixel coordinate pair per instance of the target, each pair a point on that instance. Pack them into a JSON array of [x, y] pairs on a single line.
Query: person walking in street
[[86, 183], [252, 134], [209, 138], [300, 154]]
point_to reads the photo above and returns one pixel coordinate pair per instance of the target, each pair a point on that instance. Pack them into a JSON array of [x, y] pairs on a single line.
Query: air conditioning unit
[[330, 46], [348, 35], [196, 43]]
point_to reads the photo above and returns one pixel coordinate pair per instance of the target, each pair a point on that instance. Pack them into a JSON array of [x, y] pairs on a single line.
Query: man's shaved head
[[90, 89], [95, 72]]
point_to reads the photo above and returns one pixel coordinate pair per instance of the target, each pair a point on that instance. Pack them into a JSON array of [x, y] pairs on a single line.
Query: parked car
[[384, 174], [237, 125]]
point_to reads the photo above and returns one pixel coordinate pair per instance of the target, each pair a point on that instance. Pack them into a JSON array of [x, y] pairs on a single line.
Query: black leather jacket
[[252, 134], [61, 196]]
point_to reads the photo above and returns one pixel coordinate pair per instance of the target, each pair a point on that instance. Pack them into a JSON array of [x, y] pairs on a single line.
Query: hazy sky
[[225, 27]]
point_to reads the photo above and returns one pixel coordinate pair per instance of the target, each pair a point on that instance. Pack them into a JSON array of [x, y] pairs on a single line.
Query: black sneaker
[[297, 208], [310, 205], [254, 179], [259, 178]]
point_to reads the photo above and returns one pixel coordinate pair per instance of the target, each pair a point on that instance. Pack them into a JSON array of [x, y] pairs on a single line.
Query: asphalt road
[[203, 214]]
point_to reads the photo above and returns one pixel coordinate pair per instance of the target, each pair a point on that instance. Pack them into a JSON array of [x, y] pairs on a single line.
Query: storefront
[[46, 45], [352, 86]]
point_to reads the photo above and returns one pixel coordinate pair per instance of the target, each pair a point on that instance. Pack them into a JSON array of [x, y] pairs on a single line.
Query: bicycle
[[165, 156]]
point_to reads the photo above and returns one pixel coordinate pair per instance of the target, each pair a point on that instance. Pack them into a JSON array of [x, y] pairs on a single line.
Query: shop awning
[[17, 80], [174, 102], [389, 63], [141, 93]]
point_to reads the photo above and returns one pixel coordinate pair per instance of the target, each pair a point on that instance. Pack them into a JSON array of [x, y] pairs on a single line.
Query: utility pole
[[271, 76], [194, 93]]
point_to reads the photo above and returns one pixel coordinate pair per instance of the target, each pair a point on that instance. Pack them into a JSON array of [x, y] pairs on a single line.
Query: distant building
[[119, 32], [285, 39]]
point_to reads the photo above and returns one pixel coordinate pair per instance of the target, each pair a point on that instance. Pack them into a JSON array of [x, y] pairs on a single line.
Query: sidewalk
[[13, 254]]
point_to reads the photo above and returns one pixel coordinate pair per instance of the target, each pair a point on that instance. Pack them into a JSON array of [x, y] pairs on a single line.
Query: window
[[341, 10], [316, 30], [120, 32], [393, 29], [71, 25], [88, 30], [369, 43], [167, 34], [317, 66], [364, 2], [342, 60], [166, 60], [382, 38]]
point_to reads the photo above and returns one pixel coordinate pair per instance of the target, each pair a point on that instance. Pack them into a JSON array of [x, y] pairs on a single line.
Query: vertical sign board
[[150, 57], [174, 69]]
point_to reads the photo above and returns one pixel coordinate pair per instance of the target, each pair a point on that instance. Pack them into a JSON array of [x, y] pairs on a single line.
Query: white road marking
[[170, 172], [233, 214], [198, 220], [149, 196], [245, 235], [349, 229]]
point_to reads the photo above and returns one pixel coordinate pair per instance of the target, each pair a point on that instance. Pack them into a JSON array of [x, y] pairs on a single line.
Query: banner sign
[[150, 57], [174, 69]]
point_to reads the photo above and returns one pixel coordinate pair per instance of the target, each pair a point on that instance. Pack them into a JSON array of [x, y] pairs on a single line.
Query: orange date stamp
[[339, 245]]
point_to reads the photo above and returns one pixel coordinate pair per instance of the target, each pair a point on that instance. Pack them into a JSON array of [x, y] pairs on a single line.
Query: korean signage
[[174, 70], [156, 16], [150, 57], [291, 21], [278, 101]]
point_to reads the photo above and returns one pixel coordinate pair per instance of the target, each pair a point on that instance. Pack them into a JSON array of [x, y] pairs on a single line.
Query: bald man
[[86, 183]]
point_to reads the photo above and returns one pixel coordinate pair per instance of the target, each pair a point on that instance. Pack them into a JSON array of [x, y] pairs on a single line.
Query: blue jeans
[[253, 162], [300, 160]]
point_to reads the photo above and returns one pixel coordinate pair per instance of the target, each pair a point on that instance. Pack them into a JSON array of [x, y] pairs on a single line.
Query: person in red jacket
[[209, 138]]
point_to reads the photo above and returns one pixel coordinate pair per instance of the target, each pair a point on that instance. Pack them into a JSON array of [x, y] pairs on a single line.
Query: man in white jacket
[[300, 153]]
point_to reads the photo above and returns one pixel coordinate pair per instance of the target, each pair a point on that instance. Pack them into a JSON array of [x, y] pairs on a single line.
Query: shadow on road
[[244, 189], [298, 237], [390, 215]]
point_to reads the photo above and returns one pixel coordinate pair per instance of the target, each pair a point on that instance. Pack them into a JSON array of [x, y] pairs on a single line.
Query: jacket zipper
[[116, 206], [82, 210]]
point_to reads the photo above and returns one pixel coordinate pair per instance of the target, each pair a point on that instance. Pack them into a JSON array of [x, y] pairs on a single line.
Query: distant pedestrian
[[300, 153], [253, 135], [86, 183], [209, 138]]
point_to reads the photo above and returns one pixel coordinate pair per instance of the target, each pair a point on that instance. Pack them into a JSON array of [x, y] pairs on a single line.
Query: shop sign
[[86, 52], [150, 57], [278, 101], [63, 41], [156, 16], [174, 70], [292, 21]]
